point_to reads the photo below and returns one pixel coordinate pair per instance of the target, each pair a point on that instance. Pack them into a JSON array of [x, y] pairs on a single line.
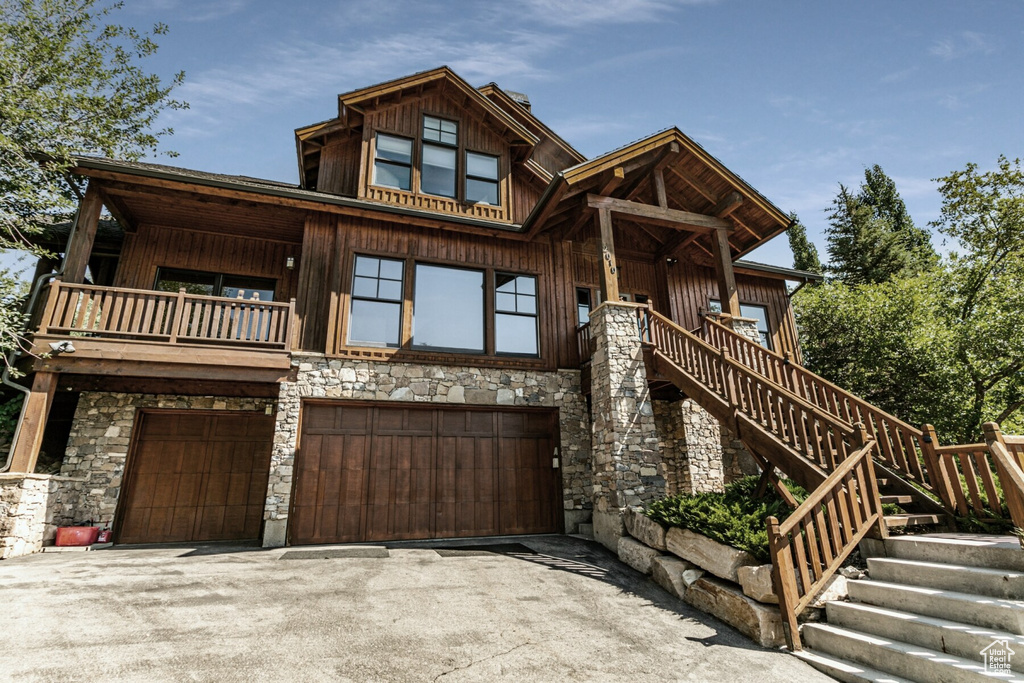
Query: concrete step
[[912, 520], [912, 662], [933, 633], [997, 583], [975, 550], [844, 670], [977, 610], [897, 500]]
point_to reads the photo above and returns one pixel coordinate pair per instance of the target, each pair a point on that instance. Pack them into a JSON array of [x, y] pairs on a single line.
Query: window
[[515, 314], [582, 305], [392, 163], [448, 309], [482, 178], [440, 146], [376, 316], [215, 284], [759, 313]]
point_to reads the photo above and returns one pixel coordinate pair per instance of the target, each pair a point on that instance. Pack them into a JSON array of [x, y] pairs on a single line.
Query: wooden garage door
[[197, 477], [374, 473]]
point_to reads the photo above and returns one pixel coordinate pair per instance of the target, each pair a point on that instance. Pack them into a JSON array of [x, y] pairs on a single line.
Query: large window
[[448, 309], [758, 313], [515, 314], [481, 178], [440, 148], [215, 284], [376, 318], [392, 163]]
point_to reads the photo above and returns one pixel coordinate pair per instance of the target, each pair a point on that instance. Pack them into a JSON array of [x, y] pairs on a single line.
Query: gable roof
[[518, 111]]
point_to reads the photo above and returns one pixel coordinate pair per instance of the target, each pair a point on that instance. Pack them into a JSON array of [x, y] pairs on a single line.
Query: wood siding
[[152, 247], [339, 166]]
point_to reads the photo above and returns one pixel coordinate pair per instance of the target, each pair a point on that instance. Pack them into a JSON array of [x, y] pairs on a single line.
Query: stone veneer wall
[[32, 506], [320, 377], [628, 468], [101, 434], [691, 443]]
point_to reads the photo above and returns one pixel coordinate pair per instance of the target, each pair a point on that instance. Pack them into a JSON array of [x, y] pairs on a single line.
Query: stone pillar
[[744, 326], [625, 439], [692, 450]]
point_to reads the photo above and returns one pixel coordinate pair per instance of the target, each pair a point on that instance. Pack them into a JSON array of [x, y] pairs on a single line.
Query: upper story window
[[440, 150], [481, 178], [377, 290], [392, 163], [515, 314], [448, 309], [758, 313]]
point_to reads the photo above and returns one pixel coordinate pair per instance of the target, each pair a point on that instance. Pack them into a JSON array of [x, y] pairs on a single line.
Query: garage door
[[196, 477], [374, 473]]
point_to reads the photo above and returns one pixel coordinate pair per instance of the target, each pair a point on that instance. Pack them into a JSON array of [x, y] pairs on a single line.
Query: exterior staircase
[[931, 608]]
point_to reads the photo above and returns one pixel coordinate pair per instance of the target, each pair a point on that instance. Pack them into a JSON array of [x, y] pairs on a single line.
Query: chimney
[[519, 98]]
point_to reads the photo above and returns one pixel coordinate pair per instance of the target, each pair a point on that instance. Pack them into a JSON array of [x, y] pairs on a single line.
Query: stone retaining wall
[[32, 506], [317, 376]]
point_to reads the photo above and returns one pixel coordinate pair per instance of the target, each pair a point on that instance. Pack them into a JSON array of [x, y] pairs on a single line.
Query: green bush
[[734, 517]]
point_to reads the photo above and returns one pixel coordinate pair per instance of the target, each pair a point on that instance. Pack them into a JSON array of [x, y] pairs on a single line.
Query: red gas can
[[77, 535]]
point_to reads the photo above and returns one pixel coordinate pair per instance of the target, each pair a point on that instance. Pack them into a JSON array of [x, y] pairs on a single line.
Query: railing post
[[1011, 492], [290, 325], [727, 389], [49, 307], [179, 311], [941, 480], [783, 580]]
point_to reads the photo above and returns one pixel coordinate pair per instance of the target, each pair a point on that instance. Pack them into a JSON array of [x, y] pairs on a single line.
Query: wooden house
[[397, 346]]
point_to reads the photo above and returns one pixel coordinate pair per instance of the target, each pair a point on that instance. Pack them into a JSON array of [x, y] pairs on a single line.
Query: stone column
[[744, 326], [625, 439]]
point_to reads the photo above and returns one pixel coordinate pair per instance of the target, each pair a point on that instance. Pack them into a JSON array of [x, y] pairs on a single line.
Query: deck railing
[[165, 318], [584, 343]]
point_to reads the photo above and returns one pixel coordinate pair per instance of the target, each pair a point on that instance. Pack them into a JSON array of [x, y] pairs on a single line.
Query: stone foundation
[[101, 435], [316, 376], [32, 506]]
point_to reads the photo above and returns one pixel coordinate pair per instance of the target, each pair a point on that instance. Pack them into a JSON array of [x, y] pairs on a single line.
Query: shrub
[[734, 517]]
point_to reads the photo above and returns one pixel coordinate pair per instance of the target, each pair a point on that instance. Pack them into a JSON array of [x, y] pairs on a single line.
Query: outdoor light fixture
[[289, 263]]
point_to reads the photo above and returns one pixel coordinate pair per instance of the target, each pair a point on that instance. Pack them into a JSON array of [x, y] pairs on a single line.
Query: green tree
[[70, 83], [871, 237], [805, 254]]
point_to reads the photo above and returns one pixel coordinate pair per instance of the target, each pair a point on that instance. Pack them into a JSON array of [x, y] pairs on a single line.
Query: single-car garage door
[[374, 473], [196, 476]]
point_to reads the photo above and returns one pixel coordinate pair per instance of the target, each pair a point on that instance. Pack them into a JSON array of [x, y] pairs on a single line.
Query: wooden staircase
[[852, 456]]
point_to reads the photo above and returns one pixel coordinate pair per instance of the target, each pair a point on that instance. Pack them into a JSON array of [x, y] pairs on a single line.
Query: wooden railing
[[584, 343], [814, 541], [813, 433], [900, 445], [158, 317], [1008, 458]]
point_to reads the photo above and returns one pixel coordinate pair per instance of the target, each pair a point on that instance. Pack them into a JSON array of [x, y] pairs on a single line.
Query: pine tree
[[805, 254]]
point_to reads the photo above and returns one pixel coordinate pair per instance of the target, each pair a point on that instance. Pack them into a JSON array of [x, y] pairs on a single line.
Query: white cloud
[[189, 11], [898, 76], [579, 12], [963, 44]]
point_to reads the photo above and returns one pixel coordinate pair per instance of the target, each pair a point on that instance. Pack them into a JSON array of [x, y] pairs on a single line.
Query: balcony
[[151, 333]]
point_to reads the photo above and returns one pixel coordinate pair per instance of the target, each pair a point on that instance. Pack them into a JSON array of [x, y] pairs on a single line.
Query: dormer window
[[440, 151], [392, 163], [481, 178]]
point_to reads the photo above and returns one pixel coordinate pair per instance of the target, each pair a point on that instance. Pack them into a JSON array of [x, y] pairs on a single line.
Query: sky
[[795, 97]]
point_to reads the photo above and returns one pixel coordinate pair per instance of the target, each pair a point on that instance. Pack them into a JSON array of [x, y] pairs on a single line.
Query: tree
[[805, 254], [871, 237], [69, 84]]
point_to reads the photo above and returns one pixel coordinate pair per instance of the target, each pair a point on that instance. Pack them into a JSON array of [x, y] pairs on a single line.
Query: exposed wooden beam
[[80, 247], [119, 211], [659, 187], [727, 204], [665, 157], [701, 188], [548, 210], [727, 292], [722, 209], [609, 272], [656, 215], [615, 177], [35, 411]]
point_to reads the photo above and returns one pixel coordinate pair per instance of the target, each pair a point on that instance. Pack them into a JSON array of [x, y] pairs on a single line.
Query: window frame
[[496, 311], [353, 297], [439, 144], [218, 281], [467, 176], [767, 319], [376, 159], [483, 308]]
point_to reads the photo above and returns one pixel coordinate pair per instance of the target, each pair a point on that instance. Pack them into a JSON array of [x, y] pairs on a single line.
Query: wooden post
[[659, 188], [33, 423], [80, 247], [1011, 491], [784, 583], [939, 478], [609, 271], [179, 312], [727, 292]]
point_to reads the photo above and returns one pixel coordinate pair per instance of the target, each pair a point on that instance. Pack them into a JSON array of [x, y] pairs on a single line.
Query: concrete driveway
[[552, 609]]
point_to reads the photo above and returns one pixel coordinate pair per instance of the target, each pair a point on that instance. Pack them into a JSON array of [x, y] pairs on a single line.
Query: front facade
[[434, 334]]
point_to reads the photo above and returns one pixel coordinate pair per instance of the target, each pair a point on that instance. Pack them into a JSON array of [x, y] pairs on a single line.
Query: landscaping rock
[[835, 589], [674, 575], [608, 528], [636, 554], [717, 558], [760, 623], [757, 583], [644, 529]]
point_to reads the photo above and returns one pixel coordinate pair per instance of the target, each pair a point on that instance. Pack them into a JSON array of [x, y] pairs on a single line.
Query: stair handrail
[[814, 541], [899, 442], [1008, 468]]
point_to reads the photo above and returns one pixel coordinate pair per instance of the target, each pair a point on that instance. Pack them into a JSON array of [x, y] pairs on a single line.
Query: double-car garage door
[[370, 473]]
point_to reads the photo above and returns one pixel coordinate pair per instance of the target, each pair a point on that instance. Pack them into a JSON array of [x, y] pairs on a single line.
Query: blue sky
[[795, 97]]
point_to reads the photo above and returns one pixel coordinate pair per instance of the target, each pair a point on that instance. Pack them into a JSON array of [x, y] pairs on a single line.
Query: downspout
[[798, 288], [12, 356]]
